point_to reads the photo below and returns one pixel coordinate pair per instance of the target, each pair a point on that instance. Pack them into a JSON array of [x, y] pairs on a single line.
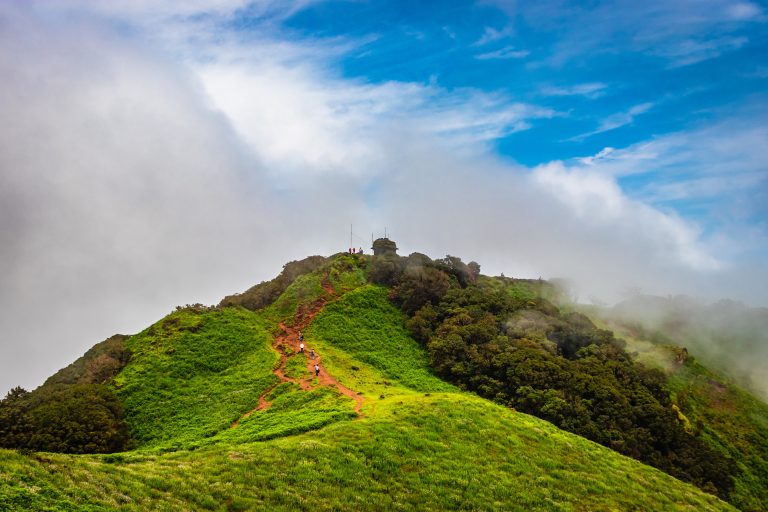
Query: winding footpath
[[288, 336]]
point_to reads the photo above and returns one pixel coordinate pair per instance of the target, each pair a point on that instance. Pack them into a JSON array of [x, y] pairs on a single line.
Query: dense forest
[[498, 338]]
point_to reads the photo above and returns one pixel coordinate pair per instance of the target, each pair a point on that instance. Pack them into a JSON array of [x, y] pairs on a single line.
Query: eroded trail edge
[[287, 340]]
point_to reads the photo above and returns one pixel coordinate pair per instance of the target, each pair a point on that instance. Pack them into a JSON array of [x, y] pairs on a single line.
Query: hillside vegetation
[[224, 413], [75, 411]]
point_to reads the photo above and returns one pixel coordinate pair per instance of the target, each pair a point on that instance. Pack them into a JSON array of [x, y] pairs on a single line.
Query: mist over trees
[[726, 335]]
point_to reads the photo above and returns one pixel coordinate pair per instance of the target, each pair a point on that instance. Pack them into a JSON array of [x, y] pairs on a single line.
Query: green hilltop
[[431, 378]]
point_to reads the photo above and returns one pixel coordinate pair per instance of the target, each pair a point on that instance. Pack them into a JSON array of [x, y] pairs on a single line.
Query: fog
[[725, 335], [135, 177]]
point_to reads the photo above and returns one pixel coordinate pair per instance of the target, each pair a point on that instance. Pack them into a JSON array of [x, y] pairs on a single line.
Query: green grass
[[521, 291], [365, 326], [296, 366], [347, 272], [292, 411], [193, 373], [443, 452], [303, 290]]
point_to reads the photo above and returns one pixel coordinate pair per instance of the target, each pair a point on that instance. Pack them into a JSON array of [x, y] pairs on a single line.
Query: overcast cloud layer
[[150, 157]]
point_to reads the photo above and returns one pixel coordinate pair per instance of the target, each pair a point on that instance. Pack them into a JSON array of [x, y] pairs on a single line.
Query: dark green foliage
[[75, 411], [80, 418], [500, 340], [267, 292], [462, 272], [417, 280], [385, 270], [101, 363], [419, 286]]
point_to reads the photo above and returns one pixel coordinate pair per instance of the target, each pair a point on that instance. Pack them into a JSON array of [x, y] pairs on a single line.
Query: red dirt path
[[288, 336]]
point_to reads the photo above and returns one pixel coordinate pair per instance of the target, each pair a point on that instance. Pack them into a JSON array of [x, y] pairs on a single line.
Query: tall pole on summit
[[350, 236]]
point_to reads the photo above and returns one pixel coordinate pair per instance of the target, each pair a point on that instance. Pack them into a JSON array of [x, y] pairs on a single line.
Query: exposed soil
[[288, 336]]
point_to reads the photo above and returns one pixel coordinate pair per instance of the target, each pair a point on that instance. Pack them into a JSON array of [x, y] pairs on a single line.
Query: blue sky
[[164, 153], [614, 73]]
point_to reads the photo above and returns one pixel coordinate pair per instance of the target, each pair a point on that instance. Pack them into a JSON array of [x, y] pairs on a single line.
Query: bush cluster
[[75, 411], [79, 418]]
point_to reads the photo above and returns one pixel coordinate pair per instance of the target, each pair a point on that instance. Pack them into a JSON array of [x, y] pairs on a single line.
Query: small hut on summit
[[382, 246]]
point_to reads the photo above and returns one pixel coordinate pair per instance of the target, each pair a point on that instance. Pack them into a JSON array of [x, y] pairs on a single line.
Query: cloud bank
[[138, 173]]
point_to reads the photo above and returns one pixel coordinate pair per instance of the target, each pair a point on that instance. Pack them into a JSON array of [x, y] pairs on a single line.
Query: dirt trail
[[288, 337]]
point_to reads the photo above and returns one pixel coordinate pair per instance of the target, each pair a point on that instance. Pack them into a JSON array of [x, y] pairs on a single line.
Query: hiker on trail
[[312, 353], [301, 347], [360, 251], [317, 370]]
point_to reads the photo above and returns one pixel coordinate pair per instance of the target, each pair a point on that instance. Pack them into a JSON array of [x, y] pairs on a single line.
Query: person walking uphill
[[301, 347], [317, 370]]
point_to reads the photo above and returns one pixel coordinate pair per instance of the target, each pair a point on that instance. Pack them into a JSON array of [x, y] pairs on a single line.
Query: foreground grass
[[442, 452], [292, 411]]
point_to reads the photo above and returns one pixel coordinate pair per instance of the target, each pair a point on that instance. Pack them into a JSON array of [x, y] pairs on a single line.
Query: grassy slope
[[442, 452], [421, 444], [365, 327], [193, 373]]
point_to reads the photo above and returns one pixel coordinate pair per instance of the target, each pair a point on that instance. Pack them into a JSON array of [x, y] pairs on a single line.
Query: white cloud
[[682, 32], [508, 52], [691, 51], [744, 11], [134, 178], [595, 198], [491, 35], [601, 155], [278, 107], [617, 120], [591, 90], [150, 11]]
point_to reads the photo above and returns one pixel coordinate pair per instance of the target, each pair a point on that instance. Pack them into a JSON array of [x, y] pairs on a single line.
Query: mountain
[[431, 376]]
